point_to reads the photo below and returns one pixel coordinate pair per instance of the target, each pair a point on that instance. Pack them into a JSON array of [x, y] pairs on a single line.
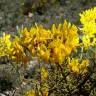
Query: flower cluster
[[78, 67], [51, 45], [5, 45], [30, 93], [88, 19], [17, 53]]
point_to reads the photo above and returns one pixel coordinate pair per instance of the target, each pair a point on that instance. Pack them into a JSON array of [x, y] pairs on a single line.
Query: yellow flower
[[30, 93], [56, 31], [26, 37], [57, 51], [44, 89], [43, 53], [32, 50], [46, 56], [76, 67], [83, 66], [88, 18], [73, 65], [44, 73], [5, 45], [17, 52], [86, 40], [51, 45], [94, 41], [88, 15]]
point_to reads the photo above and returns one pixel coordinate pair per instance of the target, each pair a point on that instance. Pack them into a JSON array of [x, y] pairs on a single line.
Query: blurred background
[[27, 12]]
